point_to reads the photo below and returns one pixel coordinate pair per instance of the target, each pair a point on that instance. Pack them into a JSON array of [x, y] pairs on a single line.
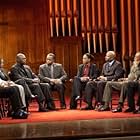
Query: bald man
[[112, 70], [126, 86], [22, 71]]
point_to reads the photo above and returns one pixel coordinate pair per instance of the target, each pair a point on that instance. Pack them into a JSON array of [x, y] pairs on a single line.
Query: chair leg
[[111, 104], [3, 108], [1, 112], [80, 103]]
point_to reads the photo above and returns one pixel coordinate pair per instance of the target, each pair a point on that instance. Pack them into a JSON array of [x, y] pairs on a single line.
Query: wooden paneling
[[24, 28], [69, 53], [101, 25]]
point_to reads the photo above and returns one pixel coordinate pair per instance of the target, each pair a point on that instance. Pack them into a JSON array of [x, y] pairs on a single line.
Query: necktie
[[108, 67], [86, 70], [52, 76]]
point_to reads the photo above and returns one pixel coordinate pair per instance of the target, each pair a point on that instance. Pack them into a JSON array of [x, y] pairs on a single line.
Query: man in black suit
[[54, 74], [86, 72], [12, 92], [24, 72], [112, 70]]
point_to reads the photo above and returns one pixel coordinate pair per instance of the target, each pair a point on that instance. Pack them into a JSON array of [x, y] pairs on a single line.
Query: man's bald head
[[110, 55], [21, 58]]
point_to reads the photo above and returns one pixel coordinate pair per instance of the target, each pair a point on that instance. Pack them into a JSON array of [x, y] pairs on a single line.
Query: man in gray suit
[[122, 85], [54, 74]]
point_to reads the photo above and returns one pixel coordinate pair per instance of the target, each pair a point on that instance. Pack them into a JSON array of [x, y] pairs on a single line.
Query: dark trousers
[[36, 90], [26, 88], [94, 88], [13, 94], [43, 94], [61, 90], [90, 92], [77, 88], [132, 88], [45, 87]]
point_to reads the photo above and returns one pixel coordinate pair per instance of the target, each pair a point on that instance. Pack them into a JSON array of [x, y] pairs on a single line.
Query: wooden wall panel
[[102, 24], [25, 27], [70, 54]]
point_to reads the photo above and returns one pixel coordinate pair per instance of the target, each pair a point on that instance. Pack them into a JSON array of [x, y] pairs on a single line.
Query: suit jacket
[[22, 72], [134, 73], [58, 72], [113, 72], [93, 71]]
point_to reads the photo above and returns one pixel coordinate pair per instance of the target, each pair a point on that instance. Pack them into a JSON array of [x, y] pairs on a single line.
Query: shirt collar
[[111, 63], [49, 65], [88, 64]]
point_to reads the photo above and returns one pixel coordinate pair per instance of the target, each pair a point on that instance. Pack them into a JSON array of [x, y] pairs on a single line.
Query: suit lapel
[[22, 71], [81, 70], [90, 70]]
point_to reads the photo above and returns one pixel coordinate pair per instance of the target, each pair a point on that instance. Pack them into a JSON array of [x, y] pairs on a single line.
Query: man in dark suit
[[54, 74], [86, 72], [24, 72], [122, 85], [111, 71], [25, 94]]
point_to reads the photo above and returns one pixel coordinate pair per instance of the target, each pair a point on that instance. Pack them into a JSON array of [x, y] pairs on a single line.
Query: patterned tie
[[108, 67]]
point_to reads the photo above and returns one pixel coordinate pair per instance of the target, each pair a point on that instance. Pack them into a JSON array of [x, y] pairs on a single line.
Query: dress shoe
[[33, 96], [43, 110], [137, 111], [20, 114], [98, 107], [77, 98], [118, 109], [10, 113], [50, 106], [73, 107], [129, 110], [104, 108], [88, 108]]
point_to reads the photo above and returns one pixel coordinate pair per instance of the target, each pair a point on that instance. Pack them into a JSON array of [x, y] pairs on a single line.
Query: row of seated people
[[52, 77], [101, 87]]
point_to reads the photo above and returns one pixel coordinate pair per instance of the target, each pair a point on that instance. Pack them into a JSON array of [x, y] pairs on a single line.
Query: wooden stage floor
[[103, 129]]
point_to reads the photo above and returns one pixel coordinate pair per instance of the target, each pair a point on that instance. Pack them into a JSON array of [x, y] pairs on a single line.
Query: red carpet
[[66, 115]]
